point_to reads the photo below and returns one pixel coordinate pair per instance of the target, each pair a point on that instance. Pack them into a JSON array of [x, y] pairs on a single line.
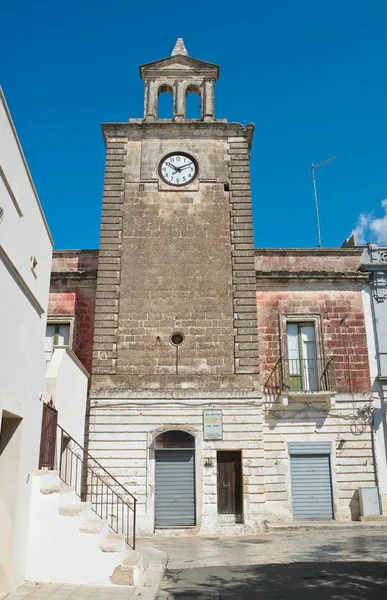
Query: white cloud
[[369, 229]]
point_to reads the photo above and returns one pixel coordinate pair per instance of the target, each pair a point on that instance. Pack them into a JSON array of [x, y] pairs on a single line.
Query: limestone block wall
[[175, 259], [346, 428], [341, 318], [121, 438], [73, 296], [326, 286]]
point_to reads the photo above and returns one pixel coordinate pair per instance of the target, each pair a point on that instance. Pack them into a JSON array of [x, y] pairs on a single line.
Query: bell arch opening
[[193, 102], [165, 102]]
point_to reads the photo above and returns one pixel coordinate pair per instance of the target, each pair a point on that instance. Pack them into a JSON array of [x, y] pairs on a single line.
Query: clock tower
[[174, 407]]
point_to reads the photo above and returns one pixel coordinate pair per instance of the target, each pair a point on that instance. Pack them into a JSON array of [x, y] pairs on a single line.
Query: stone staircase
[[69, 543]]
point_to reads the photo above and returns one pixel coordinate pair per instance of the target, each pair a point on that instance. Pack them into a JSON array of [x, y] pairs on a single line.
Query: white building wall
[[350, 438], [378, 400], [24, 296], [121, 438], [67, 382]]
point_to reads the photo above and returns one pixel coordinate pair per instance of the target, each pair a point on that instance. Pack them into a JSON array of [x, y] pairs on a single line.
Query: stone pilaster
[[208, 100], [244, 283], [109, 265], [179, 101], [151, 101]]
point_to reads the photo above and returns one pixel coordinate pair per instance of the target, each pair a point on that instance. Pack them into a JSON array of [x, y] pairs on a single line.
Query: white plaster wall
[[22, 326], [22, 236], [57, 549], [121, 437], [351, 452], [67, 386], [379, 406]]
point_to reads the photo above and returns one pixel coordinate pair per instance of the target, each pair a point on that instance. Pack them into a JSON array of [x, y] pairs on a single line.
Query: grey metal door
[[175, 488], [311, 485]]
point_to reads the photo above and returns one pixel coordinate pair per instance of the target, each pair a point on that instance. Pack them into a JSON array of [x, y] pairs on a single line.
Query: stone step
[[122, 575], [62, 488], [323, 525], [94, 525], [113, 542], [74, 510]]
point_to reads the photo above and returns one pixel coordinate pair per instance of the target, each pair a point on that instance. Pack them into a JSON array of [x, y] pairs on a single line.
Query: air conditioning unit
[[369, 502]]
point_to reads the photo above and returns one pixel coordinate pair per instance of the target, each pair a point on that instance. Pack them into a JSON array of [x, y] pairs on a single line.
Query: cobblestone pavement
[[308, 565], [62, 591]]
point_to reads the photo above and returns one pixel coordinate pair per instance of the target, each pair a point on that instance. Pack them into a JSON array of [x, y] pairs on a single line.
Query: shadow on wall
[[297, 414], [354, 506]]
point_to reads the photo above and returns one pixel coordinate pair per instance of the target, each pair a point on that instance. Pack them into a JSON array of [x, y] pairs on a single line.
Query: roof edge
[[8, 113]]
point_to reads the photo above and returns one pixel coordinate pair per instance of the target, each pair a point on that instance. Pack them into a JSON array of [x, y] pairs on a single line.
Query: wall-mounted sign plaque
[[212, 425]]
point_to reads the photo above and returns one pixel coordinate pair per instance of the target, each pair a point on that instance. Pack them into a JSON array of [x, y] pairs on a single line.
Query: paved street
[[313, 565], [62, 591]]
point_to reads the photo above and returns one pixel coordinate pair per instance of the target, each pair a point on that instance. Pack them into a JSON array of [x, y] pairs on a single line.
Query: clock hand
[[173, 166], [186, 166]]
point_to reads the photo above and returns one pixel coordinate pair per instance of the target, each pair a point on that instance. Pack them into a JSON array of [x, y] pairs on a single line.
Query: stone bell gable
[[179, 74]]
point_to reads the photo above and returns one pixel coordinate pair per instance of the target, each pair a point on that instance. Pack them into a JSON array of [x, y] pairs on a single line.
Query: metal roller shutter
[[311, 486], [175, 488]]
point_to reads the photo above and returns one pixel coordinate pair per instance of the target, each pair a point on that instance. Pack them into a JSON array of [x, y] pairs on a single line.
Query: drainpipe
[[374, 458]]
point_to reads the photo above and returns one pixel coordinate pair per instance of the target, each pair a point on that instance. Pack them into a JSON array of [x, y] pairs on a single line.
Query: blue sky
[[310, 75]]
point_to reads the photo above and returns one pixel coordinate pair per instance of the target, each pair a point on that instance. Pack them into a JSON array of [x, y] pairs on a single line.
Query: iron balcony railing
[[301, 375], [109, 499]]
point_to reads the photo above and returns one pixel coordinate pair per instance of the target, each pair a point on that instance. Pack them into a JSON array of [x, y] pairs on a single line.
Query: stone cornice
[[175, 386], [58, 253], [374, 267], [309, 251], [171, 129], [74, 275], [305, 275], [179, 66]]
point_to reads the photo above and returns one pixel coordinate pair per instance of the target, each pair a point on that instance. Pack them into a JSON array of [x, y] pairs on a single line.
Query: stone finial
[[179, 48]]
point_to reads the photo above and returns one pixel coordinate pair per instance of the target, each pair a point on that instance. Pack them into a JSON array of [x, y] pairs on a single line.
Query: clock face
[[178, 168]]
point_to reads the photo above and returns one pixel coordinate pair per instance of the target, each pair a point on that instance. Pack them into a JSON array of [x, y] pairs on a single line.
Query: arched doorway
[[175, 479]]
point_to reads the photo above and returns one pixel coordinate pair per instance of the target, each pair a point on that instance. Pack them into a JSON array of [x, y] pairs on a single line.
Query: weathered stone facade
[[322, 287], [180, 260], [325, 283], [176, 259], [184, 259], [72, 298]]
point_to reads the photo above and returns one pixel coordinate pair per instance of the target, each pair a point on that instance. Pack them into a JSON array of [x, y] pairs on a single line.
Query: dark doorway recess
[[229, 464], [48, 437]]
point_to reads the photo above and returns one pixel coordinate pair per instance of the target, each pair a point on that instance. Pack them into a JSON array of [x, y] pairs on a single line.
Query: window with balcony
[[302, 367], [302, 359]]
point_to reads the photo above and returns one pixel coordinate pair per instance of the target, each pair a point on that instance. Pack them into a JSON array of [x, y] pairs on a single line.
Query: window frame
[[300, 318], [58, 320]]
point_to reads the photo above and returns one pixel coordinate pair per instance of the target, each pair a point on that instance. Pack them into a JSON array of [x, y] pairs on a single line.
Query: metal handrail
[[300, 374], [325, 372], [273, 382], [109, 499]]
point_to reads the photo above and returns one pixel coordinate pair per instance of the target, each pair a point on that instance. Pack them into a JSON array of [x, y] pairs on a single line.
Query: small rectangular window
[[57, 334]]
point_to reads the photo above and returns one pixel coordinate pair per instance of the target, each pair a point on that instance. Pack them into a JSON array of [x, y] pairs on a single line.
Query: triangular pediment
[[178, 63]]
